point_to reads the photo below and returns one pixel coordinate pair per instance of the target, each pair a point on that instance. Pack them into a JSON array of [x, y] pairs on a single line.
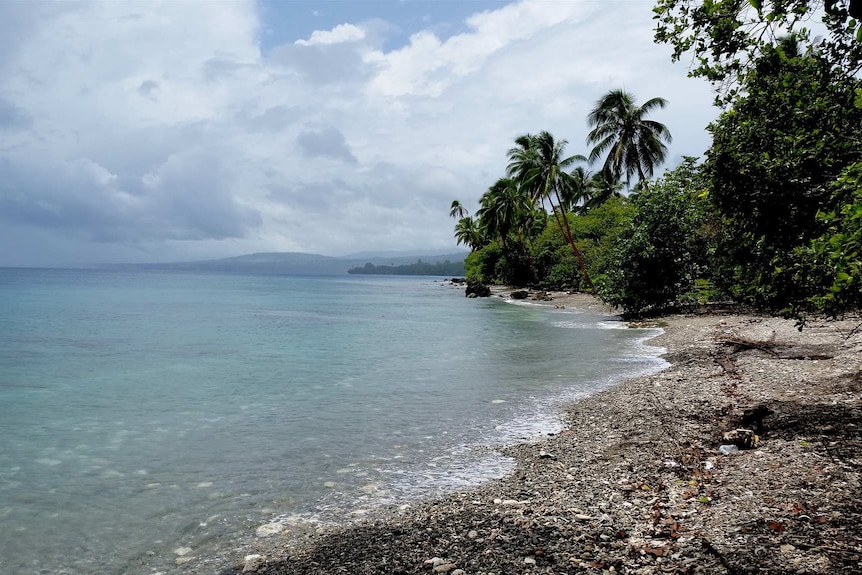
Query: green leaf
[[757, 4]]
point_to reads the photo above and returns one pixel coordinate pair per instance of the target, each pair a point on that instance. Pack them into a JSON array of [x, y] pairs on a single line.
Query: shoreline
[[635, 483]]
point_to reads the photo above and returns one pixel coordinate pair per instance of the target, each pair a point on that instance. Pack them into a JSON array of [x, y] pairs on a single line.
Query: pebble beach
[[743, 456]]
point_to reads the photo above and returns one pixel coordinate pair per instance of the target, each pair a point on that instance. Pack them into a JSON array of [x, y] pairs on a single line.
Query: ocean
[[150, 418]]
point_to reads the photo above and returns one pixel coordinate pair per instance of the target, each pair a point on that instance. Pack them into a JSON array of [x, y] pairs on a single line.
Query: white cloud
[[150, 132], [338, 35], [426, 66]]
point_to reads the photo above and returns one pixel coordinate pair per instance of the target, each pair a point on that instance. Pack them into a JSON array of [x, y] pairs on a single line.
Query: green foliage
[[538, 163], [481, 264], [494, 264], [457, 210], [837, 253], [662, 254], [773, 157], [727, 37], [469, 233], [595, 233], [555, 264]]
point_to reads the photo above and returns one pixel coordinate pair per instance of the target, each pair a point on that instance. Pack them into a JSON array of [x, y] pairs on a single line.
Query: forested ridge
[[420, 268], [770, 217]]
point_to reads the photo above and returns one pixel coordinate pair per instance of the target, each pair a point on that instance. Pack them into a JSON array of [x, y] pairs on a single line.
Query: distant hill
[[293, 263]]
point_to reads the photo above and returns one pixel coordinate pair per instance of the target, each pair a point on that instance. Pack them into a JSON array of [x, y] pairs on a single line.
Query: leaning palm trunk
[[568, 232]]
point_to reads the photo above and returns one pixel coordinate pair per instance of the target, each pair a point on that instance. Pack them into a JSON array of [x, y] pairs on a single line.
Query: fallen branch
[[741, 344]]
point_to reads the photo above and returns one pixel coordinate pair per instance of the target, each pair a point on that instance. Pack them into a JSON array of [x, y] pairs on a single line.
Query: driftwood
[[853, 332], [770, 346]]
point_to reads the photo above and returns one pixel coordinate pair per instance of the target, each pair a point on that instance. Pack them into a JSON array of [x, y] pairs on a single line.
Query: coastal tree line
[[771, 216], [419, 268]]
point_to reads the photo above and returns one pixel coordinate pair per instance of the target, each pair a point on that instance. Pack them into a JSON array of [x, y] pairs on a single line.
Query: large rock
[[520, 294], [253, 563], [480, 290]]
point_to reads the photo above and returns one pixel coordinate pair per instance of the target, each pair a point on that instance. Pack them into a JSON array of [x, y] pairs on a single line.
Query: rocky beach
[[743, 456]]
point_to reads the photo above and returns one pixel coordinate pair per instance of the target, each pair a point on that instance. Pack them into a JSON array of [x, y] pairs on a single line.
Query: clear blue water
[[142, 412]]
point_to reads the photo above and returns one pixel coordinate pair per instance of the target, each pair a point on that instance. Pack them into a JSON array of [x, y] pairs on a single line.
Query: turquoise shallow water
[[143, 412]]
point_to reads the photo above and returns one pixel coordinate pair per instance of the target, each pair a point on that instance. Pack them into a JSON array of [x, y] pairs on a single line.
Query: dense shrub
[[663, 252]]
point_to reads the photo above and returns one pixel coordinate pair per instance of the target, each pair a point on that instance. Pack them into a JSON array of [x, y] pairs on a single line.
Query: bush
[[664, 251]]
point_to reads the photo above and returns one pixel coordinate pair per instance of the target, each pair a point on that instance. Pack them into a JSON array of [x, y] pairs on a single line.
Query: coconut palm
[[457, 210], [576, 194], [503, 208], [540, 165], [467, 232], [633, 143], [506, 208], [603, 186]]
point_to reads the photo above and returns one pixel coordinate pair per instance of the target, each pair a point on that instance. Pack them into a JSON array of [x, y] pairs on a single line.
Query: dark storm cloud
[[186, 198], [325, 143]]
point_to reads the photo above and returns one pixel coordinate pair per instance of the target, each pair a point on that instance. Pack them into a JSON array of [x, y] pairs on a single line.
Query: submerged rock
[[269, 529]]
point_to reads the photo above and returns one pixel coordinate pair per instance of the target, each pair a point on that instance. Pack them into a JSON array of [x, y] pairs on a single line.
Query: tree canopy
[[726, 37], [633, 144]]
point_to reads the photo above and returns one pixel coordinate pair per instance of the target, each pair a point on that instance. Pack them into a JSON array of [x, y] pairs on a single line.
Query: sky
[[174, 131]]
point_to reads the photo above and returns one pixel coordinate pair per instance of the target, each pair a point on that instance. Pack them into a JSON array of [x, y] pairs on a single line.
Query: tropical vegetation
[[770, 216]]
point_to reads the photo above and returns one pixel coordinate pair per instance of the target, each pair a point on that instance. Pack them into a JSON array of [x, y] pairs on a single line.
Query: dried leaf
[[657, 551]]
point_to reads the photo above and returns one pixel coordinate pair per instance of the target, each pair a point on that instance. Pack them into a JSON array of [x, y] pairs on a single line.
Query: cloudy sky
[[165, 131]]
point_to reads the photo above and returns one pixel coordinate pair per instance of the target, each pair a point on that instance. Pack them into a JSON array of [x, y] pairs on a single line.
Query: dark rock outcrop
[[476, 289]]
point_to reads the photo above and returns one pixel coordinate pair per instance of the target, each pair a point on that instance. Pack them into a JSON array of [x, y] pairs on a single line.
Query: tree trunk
[[575, 249]]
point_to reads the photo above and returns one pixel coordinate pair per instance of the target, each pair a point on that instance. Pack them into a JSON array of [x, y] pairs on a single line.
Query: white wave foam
[[600, 324]]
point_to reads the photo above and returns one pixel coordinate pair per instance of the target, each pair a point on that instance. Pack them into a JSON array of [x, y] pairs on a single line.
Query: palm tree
[[634, 144], [603, 186], [457, 211], [507, 208], [467, 232], [540, 166], [502, 209], [577, 193]]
